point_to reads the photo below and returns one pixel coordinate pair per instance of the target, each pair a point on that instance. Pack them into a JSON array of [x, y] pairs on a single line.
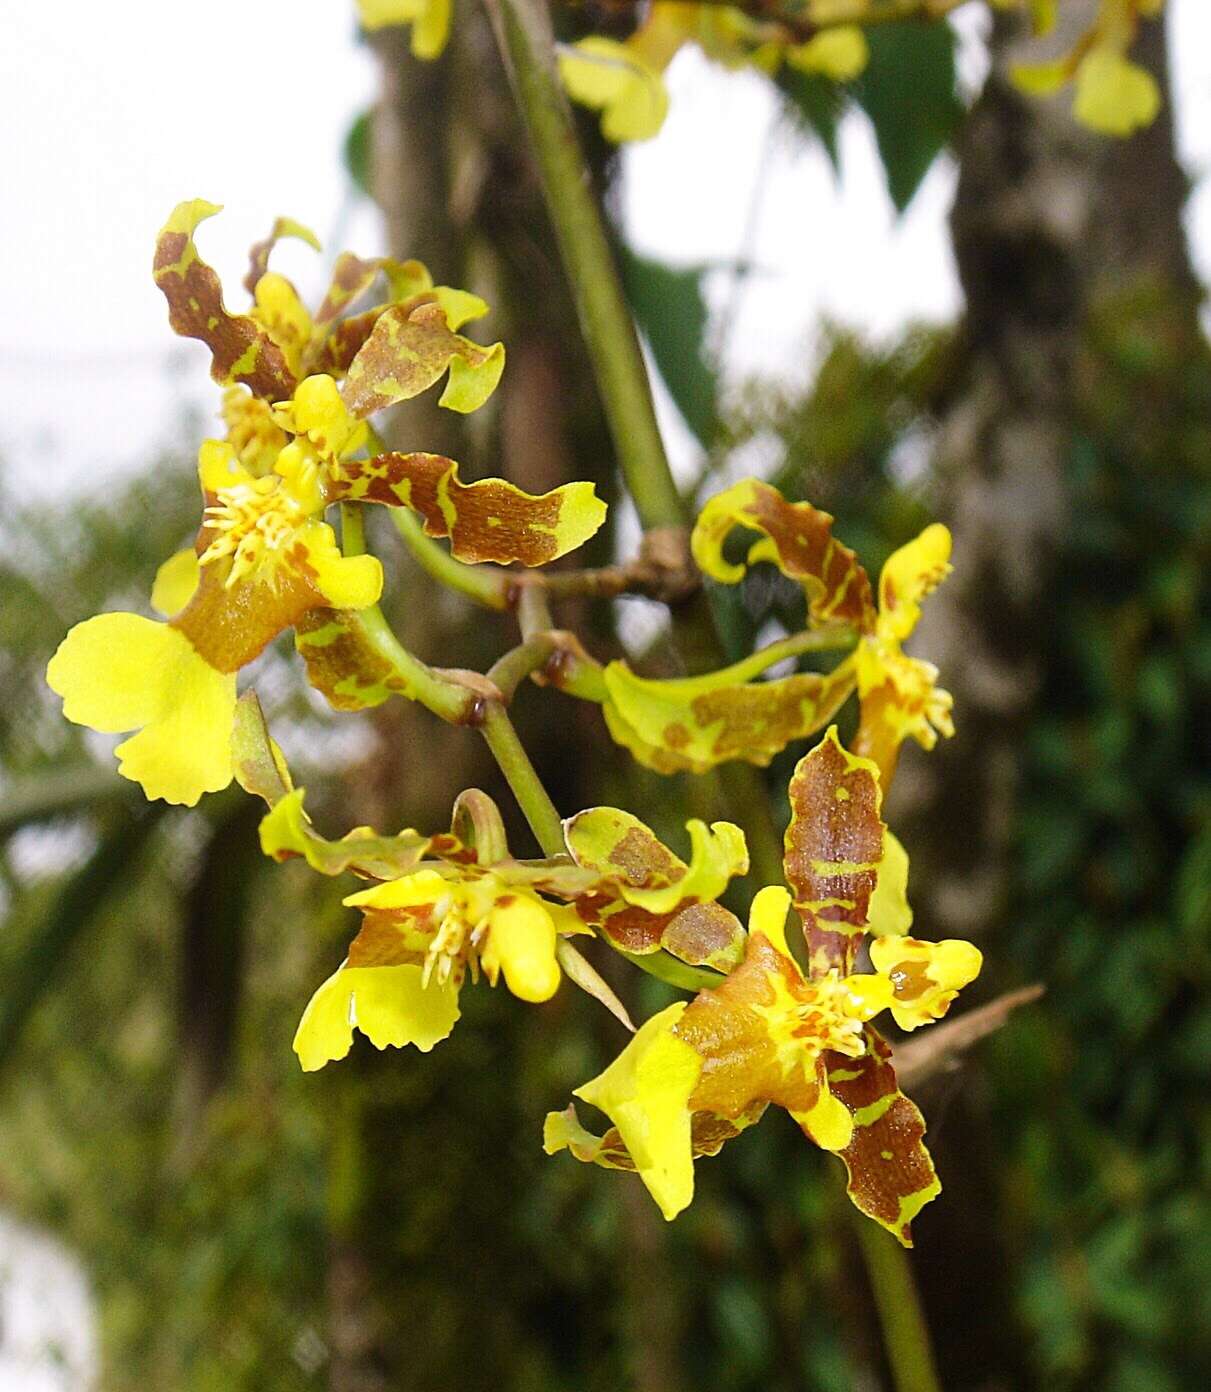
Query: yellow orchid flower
[[899, 694], [421, 936], [264, 558], [1112, 95], [469, 907], [613, 78], [700, 1072], [624, 80], [430, 21]]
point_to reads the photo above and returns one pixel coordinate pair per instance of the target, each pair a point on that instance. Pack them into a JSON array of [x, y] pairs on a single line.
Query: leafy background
[[392, 1222]]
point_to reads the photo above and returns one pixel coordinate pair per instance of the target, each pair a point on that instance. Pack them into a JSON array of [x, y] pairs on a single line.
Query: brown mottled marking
[[877, 1183], [644, 860], [705, 934], [634, 929], [493, 521], [827, 828], [195, 310], [708, 1133], [910, 978], [761, 719], [676, 736], [347, 670], [382, 941], [410, 347], [229, 627], [838, 586]]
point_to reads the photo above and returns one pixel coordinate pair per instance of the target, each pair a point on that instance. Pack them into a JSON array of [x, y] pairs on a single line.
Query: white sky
[[112, 118]]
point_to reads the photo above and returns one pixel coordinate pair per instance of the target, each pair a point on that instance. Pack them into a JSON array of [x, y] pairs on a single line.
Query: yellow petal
[[346, 582], [317, 411], [827, 1121], [175, 583], [889, 912], [521, 941], [459, 306], [767, 915], [389, 1005], [219, 468], [121, 672], [283, 316], [925, 976], [1113, 95], [422, 887], [646, 1093], [840, 53], [612, 78], [910, 574]]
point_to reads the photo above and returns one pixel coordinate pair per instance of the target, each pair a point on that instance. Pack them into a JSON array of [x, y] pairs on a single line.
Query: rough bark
[[1048, 219], [1050, 223]]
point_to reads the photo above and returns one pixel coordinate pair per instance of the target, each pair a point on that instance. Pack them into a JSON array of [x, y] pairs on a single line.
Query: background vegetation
[[393, 1224]]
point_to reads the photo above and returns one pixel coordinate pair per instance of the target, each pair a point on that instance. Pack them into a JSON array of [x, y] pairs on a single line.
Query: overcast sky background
[[112, 119]]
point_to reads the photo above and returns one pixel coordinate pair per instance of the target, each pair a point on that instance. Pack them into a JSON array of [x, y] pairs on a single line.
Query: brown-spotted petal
[[241, 350], [798, 539], [486, 521], [409, 349], [833, 849], [695, 723], [648, 898], [891, 1175]]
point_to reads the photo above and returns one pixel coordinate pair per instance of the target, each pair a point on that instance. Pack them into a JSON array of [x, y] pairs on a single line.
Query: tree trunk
[[1050, 223]]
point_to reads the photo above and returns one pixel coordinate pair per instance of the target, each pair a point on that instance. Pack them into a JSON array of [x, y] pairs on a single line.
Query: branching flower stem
[[522, 778], [905, 1332], [485, 584], [524, 33], [523, 29]]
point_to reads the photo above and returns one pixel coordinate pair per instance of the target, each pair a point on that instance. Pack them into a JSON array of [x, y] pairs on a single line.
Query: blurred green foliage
[[1100, 1100]]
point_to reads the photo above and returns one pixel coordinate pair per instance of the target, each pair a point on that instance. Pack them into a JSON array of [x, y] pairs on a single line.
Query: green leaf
[[213, 931], [908, 91], [672, 313], [815, 104], [357, 152], [59, 792], [35, 970]]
